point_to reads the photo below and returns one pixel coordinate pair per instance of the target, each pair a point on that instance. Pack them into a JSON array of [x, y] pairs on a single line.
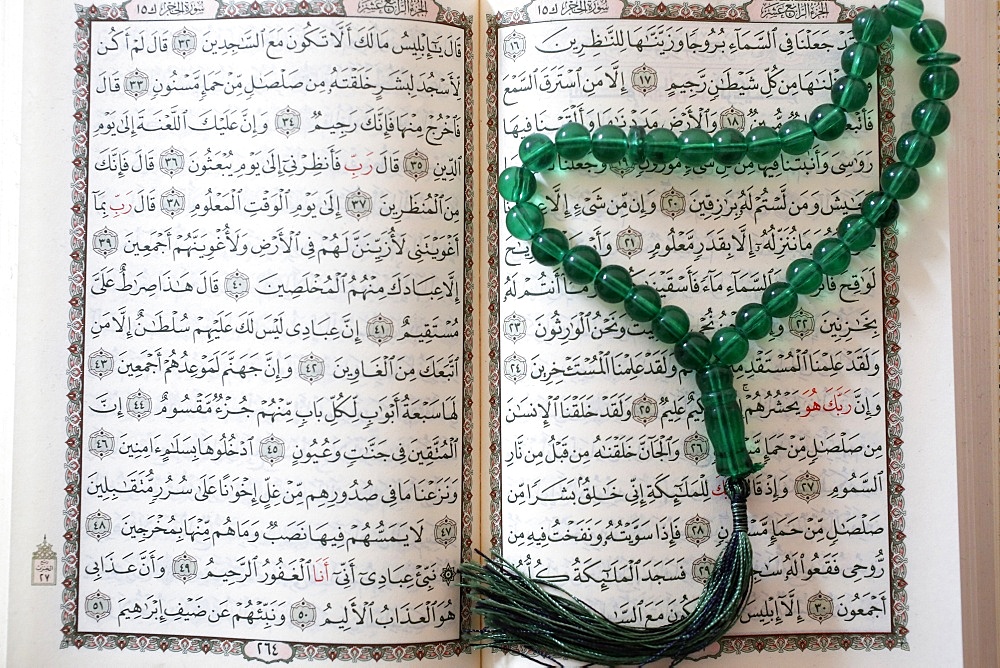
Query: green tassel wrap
[[522, 614]]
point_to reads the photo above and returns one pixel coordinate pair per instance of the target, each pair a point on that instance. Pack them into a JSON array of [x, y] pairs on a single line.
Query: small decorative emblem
[[98, 525], [171, 161], [311, 368], [820, 607], [302, 614], [701, 569], [358, 204], [673, 203], [697, 530], [136, 84], [101, 363], [629, 242], [104, 242], [696, 447], [732, 118], [514, 327], [801, 323], [139, 405], [445, 532], [272, 449], [514, 45], [644, 409], [184, 567], [415, 165], [622, 167], [644, 79], [515, 368], [44, 563], [448, 574], [236, 285], [172, 202], [379, 329], [101, 444], [807, 486], [287, 121], [184, 42], [97, 605]]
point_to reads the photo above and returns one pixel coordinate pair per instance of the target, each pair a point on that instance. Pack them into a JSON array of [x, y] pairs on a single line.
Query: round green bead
[[871, 27], [730, 345], [524, 220], [915, 149], [613, 283], [730, 146], [879, 208], [857, 232], [763, 144], [694, 351], [899, 181], [549, 247], [939, 82], [939, 58], [903, 13], [537, 152], [832, 255], [608, 143], [796, 136], [859, 60], [642, 303], [661, 146], [581, 264], [804, 275], [671, 324], [849, 93], [779, 299], [928, 36], [695, 147], [636, 140], [516, 184], [931, 117], [572, 141], [828, 121], [753, 321]]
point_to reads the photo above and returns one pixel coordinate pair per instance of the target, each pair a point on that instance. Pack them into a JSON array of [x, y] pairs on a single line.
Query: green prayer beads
[[903, 13], [549, 247], [572, 141], [928, 36], [804, 275], [779, 299], [729, 146], [932, 117], [857, 232], [730, 345], [859, 60], [642, 303], [661, 146], [828, 122], [849, 93], [724, 422], [581, 264], [871, 27], [524, 220], [832, 255], [516, 184], [613, 283], [796, 136], [899, 181], [939, 82], [753, 321], [763, 144], [608, 144], [915, 149], [695, 147], [537, 152], [671, 324]]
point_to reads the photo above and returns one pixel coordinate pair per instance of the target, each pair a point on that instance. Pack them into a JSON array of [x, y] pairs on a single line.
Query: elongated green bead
[[796, 136], [859, 60], [636, 140], [832, 255], [694, 351], [857, 232], [879, 208], [661, 146], [608, 143], [671, 324], [849, 93], [804, 275], [915, 149], [695, 147], [730, 146], [903, 13], [899, 181], [928, 36], [779, 299], [549, 247], [516, 184], [730, 345], [871, 27], [572, 141], [613, 283], [828, 122], [932, 117], [753, 321], [939, 82], [524, 220], [763, 144], [724, 422], [643, 303], [939, 58], [581, 264], [537, 152]]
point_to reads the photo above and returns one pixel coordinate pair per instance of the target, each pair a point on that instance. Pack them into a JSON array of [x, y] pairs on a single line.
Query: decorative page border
[[737, 13], [71, 603]]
